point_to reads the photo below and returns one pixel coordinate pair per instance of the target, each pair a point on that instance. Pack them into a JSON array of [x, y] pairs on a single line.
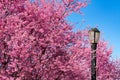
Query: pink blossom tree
[[37, 43]]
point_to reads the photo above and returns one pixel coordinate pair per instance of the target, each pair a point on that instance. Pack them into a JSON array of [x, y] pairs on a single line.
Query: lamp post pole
[[94, 35], [93, 61]]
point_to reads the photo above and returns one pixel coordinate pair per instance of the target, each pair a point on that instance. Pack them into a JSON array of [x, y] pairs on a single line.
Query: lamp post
[[94, 35]]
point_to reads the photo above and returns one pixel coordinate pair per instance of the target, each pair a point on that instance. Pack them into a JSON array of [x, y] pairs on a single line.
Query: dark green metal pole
[[93, 61]]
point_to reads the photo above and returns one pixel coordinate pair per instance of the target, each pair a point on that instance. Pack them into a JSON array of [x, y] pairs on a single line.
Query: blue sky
[[106, 15]]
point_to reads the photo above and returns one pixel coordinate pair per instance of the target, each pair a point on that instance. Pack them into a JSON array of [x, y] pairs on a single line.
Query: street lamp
[[94, 35]]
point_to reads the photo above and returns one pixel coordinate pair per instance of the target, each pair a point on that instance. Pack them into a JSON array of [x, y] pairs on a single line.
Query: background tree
[[37, 43]]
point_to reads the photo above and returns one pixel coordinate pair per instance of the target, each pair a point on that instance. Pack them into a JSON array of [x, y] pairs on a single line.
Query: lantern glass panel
[[91, 36], [97, 36]]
